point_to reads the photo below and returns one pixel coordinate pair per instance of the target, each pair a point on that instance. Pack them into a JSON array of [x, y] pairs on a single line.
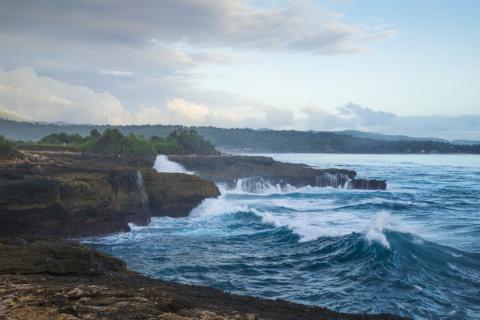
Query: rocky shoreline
[[45, 279], [72, 195], [229, 169], [62, 195]]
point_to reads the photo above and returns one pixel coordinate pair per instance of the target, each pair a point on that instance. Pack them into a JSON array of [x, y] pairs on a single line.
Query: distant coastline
[[261, 141]]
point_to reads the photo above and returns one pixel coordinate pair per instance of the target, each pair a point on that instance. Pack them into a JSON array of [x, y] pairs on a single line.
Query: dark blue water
[[411, 250]]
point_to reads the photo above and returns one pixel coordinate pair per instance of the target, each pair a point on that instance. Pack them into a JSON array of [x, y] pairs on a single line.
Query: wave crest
[[163, 164]]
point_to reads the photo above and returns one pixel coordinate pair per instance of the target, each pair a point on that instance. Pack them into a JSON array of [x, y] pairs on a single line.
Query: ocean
[[412, 250]]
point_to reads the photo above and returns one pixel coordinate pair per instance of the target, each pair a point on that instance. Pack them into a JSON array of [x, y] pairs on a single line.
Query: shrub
[[61, 138], [7, 149]]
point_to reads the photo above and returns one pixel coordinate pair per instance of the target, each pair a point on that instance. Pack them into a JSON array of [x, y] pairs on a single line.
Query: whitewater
[[412, 250]]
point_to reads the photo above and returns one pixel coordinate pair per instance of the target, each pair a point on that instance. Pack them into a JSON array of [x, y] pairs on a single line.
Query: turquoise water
[[411, 250]]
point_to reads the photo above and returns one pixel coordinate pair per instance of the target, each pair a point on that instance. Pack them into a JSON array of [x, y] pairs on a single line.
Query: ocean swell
[[411, 250]]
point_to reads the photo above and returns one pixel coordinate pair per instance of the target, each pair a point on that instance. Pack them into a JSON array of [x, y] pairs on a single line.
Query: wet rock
[[176, 194], [229, 169]]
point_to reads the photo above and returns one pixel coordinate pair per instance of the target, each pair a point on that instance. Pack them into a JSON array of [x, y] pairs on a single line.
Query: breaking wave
[[412, 250], [163, 164]]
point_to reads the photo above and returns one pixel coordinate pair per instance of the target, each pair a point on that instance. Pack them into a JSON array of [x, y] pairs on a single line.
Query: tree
[[95, 134]]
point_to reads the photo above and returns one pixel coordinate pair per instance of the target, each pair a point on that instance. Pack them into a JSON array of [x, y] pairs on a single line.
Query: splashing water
[[163, 164], [413, 250], [260, 185], [380, 223]]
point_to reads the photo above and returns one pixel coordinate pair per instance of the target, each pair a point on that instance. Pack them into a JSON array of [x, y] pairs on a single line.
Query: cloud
[[356, 117], [188, 112], [117, 72], [235, 23], [26, 94], [145, 53], [185, 112], [279, 118]]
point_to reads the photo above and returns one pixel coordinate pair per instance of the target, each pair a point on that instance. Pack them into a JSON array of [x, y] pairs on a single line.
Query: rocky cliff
[[229, 169], [72, 204], [73, 195]]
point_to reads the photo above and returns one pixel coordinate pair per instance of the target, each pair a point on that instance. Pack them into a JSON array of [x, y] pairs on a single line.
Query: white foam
[[259, 185], [381, 222], [374, 231], [163, 164], [310, 220], [418, 288], [215, 207], [312, 225]]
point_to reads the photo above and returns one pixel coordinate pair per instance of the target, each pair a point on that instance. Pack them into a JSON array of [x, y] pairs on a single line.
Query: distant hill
[[256, 141], [466, 142], [387, 137]]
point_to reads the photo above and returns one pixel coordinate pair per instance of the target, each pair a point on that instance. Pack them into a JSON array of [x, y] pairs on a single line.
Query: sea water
[[412, 250]]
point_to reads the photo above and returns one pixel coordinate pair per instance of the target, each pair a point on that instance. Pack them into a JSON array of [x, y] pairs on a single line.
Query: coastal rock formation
[[44, 280], [72, 195], [229, 169], [55, 257], [175, 194], [72, 204]]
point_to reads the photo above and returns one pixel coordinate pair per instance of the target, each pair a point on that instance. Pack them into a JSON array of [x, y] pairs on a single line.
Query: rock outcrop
[[74, 195], [73, 204], [175, 194], [45, 280], [55, 257], [229, 169]]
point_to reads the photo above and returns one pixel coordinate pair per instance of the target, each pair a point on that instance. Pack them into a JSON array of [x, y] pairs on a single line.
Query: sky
[[396, 67]]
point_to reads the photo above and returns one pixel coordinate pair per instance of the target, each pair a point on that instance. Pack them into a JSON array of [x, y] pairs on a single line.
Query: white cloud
[[188, 112], [302, 25], [279, 118], [145, 53], [25, 93], [184, 112], [356, 117], [116, 72]]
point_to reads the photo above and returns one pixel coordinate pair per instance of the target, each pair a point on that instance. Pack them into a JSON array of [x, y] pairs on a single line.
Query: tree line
[[113, 142]]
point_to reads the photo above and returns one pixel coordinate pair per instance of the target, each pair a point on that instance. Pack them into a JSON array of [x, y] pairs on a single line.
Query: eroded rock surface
[[175, 194], [229, 169], [74, 195]]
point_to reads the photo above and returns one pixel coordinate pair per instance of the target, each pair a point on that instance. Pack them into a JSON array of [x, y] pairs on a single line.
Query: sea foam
[[163, 164]]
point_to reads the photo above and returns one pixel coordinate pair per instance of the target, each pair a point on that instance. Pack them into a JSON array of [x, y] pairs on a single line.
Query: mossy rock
[[20, 256]]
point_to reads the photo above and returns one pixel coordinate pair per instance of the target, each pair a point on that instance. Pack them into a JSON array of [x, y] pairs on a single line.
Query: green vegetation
[[7, 149], [113, 142], [61, 138], [248, 140], [191, 142]]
